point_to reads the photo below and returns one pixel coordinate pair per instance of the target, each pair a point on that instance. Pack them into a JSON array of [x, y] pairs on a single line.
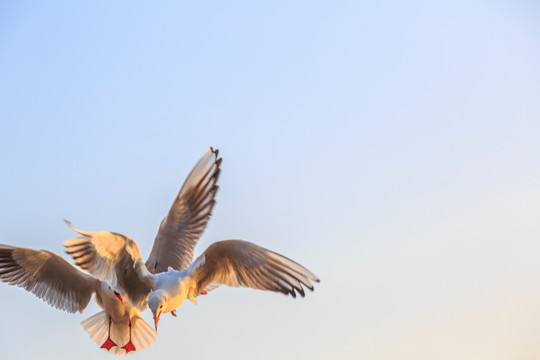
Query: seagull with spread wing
[[170, 275], [118, 328]]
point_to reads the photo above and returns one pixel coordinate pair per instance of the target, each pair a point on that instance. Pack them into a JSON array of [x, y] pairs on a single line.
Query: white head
[[109, 291], [157, 302]]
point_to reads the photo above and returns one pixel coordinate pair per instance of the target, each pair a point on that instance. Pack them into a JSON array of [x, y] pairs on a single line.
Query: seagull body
[[117, 329], [170, 285]]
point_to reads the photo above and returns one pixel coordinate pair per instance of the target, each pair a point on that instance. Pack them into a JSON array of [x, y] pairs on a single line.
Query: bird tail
[[142, 334], [97, 326]]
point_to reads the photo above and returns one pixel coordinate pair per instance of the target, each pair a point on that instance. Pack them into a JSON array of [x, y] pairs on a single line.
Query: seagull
[[170, 275], [118, 328]]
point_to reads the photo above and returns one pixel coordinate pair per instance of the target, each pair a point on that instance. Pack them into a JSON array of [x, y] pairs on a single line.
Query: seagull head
[[111, 291], [157, 302]]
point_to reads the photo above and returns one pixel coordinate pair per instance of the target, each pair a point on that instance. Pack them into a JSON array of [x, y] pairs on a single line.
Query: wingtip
[[69, 225], [216, 155], [82, 232]]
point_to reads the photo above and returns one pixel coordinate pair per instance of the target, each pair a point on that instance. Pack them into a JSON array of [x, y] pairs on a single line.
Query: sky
[[391, 147]]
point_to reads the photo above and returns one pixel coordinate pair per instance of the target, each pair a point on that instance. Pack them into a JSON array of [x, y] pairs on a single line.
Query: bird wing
[[180, 230], [240, 263], [110, 257], [48, 276]]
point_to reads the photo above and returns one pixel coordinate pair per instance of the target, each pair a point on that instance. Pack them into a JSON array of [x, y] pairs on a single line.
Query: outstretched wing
[[241, 263], [181, 228], [110, 257], [48, 276]]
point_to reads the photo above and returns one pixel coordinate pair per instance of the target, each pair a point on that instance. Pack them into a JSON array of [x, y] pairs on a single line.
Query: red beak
[[156, 319], [119, 297]]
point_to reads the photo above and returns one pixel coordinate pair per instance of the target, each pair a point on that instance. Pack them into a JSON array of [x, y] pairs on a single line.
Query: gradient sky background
[[393, 148]]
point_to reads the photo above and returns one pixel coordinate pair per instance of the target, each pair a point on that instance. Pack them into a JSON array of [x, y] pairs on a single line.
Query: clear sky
[[392, 147]]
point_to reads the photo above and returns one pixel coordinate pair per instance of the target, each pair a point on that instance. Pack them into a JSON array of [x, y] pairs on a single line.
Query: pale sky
[[392, 148]]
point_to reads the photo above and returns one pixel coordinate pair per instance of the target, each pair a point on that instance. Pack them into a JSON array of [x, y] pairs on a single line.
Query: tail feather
[[142, 334], [120, 335], [97, 326]]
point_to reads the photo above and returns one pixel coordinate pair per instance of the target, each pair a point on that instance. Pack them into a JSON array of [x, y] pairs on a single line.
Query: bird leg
[[108, 344], [173, 312], [129, 346]]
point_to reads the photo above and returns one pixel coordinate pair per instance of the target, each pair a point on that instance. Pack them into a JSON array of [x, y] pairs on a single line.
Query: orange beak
[[156, 319]]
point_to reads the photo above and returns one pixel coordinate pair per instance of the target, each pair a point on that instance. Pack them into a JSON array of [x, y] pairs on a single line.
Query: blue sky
[[391, 147]]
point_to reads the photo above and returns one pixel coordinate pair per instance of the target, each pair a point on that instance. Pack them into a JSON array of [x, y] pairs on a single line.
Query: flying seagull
[[170, 275], [118, 328]]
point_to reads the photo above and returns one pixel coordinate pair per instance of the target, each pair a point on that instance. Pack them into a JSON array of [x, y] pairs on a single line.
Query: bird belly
[[178, 296]]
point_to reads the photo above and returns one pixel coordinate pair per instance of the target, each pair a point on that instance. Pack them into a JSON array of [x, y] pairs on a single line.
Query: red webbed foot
[[173, 313], [108, 344], [204, 292], [129, 347]]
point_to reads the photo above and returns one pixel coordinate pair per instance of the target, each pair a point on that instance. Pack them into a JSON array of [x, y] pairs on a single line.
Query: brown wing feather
[[241, 263], [110, 257], [189, 214], [48, 276]]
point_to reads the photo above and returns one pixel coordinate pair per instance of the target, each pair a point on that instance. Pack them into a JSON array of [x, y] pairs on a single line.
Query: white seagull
[[170, 275], [118, 328]]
